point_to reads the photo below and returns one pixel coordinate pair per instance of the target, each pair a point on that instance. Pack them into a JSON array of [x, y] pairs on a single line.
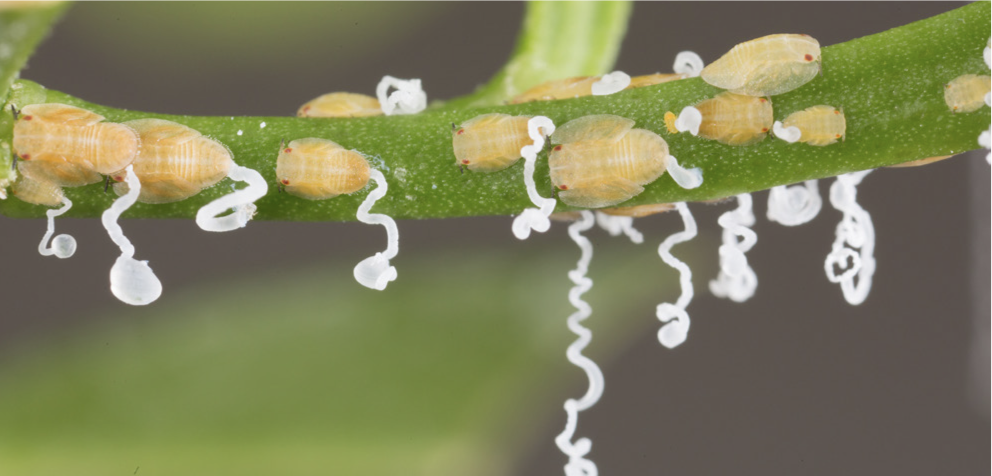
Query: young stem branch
[[890, 86]]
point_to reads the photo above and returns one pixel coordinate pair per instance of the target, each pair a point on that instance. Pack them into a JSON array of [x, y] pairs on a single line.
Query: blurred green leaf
[[22, 27], [307, 373]]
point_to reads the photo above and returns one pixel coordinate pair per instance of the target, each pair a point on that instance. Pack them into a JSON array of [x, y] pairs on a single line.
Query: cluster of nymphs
[[601, 161], [159, 161]]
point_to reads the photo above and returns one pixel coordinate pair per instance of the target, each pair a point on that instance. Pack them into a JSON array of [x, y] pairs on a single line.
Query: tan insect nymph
[[601, 161], [819, 125], [732, 119], [558, 89], [175, 162], [640, 211], [922, 162], [652, 79], [966, 93], [490, 142], [70, 146], [35, 190], [767, 66], [318, 169], [341, 105]]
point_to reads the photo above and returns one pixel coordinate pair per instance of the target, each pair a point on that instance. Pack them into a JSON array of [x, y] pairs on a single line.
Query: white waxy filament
[[616, 225], [688, 63], [577, 464], [689, 120], [408, 98], [131, 281], [675, 320], [854, 232], [789, 134], [375, 272], [611, 83], [987, 54], [63, 246], [983, 140], [685, 178], [535, 219], [242, 202], [794, 205], [736, 280]]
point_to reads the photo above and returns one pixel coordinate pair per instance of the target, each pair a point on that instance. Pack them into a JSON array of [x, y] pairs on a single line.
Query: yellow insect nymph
[[558, 89], [600, 161], [175, 162], [318, 169], [341, 105], [640, 211], [652, 79], [966, 93], [490, 142], [32, 189], [819, 125], [732, 119], [70, 146], [767, 66]]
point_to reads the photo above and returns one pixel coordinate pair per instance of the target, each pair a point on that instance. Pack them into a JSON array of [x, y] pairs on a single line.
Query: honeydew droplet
[[63, 246], [131, 281]]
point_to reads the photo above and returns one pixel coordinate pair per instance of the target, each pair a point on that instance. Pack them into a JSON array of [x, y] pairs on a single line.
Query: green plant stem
[[559, 40], [890, 86]]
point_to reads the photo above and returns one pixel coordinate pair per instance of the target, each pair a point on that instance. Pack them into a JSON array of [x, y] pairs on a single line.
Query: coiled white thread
[[577, 464], [611, 83], [789, 134], [855, 231], [535, 219], [685, 178], [794, 205], [675, 320], [409, 97], [618, 224], [736, 280], [688, 63], [63, 246], [241, 202], [131, 281], [689, 120], [375, 272], [987, 54]]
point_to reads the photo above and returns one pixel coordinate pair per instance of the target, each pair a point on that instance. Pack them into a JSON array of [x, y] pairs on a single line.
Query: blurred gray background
[[795, 381]]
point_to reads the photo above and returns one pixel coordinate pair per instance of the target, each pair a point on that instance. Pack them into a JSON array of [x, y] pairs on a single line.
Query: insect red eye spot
[[465, 162], [27, 118], [284, 181], [763, 100], [557, 148], [562, 187], [809, 57], [118, 178], [838, 136], [25, 156], [764, 129], [306, 108], [460, 131], [287, 150], [836, 111]]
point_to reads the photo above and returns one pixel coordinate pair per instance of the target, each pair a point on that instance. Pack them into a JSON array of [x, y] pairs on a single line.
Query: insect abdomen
[[966, 93]]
